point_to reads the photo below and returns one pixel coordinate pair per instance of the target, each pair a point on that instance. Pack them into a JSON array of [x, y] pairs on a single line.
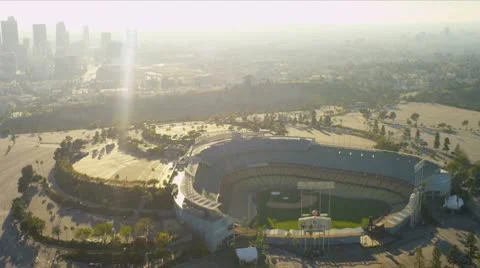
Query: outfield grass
[[345, 213]]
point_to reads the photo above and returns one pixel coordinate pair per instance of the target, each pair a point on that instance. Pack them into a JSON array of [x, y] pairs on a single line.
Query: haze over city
[[239, 134]]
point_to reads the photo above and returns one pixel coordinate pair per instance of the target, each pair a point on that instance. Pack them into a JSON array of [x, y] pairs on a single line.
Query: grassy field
[[467, 137], [345, 213]]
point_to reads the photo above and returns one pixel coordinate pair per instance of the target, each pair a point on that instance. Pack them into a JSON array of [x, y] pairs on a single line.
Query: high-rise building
[[26, 43], [131, 38], [61, 36], [106, 38], [86, 36], [39, 34], [22, 56], [40, 43], [8, 65], [10, 34]]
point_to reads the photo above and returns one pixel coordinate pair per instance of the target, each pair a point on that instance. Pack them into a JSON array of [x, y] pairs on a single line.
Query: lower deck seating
[[260, 183], [279, 171]]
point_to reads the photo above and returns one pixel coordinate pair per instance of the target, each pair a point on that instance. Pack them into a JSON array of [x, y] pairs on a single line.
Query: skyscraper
[[131, 38], [106, 38], [86, 36], [40, 42], [61, 36], [26, 43], [8, 65], [10, 34], [39, 34]]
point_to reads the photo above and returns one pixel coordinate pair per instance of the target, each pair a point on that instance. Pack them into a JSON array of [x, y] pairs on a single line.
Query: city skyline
[[220, 16]]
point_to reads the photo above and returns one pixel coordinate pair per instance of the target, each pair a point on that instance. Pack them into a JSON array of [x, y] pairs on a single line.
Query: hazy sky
[[247, 15]]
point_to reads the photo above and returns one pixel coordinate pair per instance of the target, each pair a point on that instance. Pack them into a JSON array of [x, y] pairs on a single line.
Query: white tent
[[453, 202], [247, 255]]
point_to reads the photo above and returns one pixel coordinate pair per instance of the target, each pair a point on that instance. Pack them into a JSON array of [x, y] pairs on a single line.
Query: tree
[[465, 124], [103, 231], [163, 238], [259, 242], [382, 131], [382, 115], [415, 117], [407, 134], [126, 232], [32, 224], [23, 184], [417, 134], [375, 127], [457, 148], [436, 143], [78, 145], [327, 121], [143, 227], [27, 172], [453, 255], [18, 208], [436, 263], [392, 116], [83, 234], [446, 144], [390, 134], [27, 177], [366, 113], [313, 116], [103, 135], [56, 231], [419, 259], [96, 137], [152, 182], [471, 246]]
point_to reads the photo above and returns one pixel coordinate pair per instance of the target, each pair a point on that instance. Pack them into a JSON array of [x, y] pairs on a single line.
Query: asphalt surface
[[16, 250]]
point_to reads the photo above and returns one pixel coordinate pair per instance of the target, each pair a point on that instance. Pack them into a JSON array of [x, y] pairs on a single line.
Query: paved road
[[15, 250]]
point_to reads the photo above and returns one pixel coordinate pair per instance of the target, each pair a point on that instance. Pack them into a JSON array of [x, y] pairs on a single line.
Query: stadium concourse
[[224, 170]]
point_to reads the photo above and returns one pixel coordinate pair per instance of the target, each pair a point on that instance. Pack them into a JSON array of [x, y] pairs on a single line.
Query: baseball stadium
[[253, 179]]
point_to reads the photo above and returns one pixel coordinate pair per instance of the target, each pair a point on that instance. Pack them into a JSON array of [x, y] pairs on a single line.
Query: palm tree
[[453, 255], [56, 231]]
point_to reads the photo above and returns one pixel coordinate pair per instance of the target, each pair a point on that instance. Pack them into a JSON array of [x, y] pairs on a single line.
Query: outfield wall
[[314, 242]]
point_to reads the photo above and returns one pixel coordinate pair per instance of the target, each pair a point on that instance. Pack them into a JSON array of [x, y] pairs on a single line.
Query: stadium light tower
[[318, 222]]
